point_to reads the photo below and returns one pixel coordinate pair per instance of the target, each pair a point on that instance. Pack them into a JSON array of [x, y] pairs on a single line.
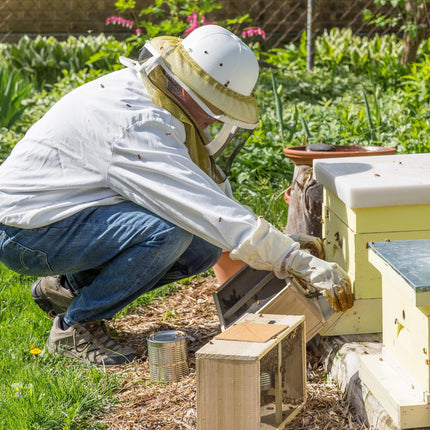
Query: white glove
[[321, 277], [266, 248], [312, 244]]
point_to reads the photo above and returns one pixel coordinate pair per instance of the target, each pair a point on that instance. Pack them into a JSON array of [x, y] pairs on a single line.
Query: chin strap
[[221, 140]]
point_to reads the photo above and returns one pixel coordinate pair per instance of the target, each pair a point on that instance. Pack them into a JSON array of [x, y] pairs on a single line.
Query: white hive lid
[[375, 181]]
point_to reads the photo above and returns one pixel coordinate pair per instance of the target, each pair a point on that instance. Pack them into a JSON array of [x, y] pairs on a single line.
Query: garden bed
[[147, 405]]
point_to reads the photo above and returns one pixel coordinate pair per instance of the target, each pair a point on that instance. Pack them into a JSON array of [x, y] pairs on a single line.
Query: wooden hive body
[[400, 377], [370, 199]]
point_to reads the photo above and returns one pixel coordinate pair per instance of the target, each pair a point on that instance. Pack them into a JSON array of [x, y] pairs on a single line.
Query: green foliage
[[378, 57], [399, 17], [45, 58], [416, 84], [8, 139], [164, 17], [14, 94], [170, 17], [42, 391]]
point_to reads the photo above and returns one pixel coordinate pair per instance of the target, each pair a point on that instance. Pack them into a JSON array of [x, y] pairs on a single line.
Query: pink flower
[[192, 28], [138, 31], [193, 19], [206, 22], [254, 32], [119, 20]]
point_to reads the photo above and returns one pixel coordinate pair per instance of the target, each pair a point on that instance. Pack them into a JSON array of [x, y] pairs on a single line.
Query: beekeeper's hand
[[266, 248], [309, 243], [316, 275]]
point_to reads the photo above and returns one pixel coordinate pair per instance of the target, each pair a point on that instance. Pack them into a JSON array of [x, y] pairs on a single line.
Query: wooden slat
[[249, 332]]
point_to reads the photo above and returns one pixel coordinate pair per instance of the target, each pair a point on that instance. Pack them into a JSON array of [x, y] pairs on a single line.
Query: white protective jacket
[[106, 142]]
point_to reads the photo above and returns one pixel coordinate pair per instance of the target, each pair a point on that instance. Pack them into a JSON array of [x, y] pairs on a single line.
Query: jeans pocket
[[21, 259]]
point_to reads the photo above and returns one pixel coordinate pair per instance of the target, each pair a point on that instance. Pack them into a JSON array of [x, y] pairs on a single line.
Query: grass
[[47, 391]]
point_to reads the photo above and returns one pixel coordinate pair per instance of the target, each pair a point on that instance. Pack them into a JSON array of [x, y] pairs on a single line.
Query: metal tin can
[[167, 354]]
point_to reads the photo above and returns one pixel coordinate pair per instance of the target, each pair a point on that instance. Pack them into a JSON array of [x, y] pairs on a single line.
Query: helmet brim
[[230, 103]]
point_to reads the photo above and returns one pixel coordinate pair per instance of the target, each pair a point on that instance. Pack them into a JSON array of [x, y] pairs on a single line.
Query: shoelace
[[97, 340]]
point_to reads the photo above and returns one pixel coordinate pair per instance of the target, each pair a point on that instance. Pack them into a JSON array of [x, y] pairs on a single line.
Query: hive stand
[[370, 199], [253, 375], [400, 377]]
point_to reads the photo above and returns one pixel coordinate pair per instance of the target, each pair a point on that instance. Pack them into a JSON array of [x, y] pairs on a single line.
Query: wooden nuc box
[[253, 375]]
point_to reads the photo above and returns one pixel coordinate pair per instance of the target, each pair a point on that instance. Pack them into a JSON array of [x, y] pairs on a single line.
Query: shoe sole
[[40, 301]]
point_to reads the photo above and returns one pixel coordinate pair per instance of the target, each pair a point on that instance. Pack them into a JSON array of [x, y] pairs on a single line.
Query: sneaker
[[88, 342], [51, 296]]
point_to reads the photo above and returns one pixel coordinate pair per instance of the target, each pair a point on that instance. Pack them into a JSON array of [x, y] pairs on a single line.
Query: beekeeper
[[115, 191]]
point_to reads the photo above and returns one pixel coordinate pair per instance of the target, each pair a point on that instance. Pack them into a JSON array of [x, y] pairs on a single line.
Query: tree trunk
[[416, 12]]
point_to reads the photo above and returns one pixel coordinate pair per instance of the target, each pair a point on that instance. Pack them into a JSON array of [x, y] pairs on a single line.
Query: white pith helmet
[[224, 57], [216, 69]]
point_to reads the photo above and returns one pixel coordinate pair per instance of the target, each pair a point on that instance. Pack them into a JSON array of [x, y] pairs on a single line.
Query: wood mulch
[[145, 405]]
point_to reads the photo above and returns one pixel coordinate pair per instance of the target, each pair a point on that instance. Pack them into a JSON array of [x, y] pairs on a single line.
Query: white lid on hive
[[375, 181]]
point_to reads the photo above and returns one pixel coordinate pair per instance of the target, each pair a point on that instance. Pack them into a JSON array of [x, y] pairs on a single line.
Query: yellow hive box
[[370, 199], [400, 376]]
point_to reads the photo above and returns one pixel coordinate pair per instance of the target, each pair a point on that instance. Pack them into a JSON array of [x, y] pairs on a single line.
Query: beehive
[[400, 377], [370, 199], [252, 376]]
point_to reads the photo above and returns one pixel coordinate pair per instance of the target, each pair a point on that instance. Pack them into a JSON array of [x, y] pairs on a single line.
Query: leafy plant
[[45, 58], [169, 17], [408, 16], [14, 94], [164, 17], [278, 104], [416, 83]]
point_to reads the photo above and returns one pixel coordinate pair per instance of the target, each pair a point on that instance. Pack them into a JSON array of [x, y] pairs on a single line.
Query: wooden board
[[367, 220], [258, 291], [364, 317], [249, 332], [219, 385], [290, 301], [230, 350], [406, 327], [395, 391]]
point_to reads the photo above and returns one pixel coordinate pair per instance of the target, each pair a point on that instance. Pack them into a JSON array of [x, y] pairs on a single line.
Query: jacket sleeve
[[151, 167]]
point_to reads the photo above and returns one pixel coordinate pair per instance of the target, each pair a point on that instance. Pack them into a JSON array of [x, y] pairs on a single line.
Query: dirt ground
[[150, 406]]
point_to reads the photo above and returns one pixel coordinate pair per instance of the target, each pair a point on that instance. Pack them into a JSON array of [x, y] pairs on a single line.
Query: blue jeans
[[110, 254]]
